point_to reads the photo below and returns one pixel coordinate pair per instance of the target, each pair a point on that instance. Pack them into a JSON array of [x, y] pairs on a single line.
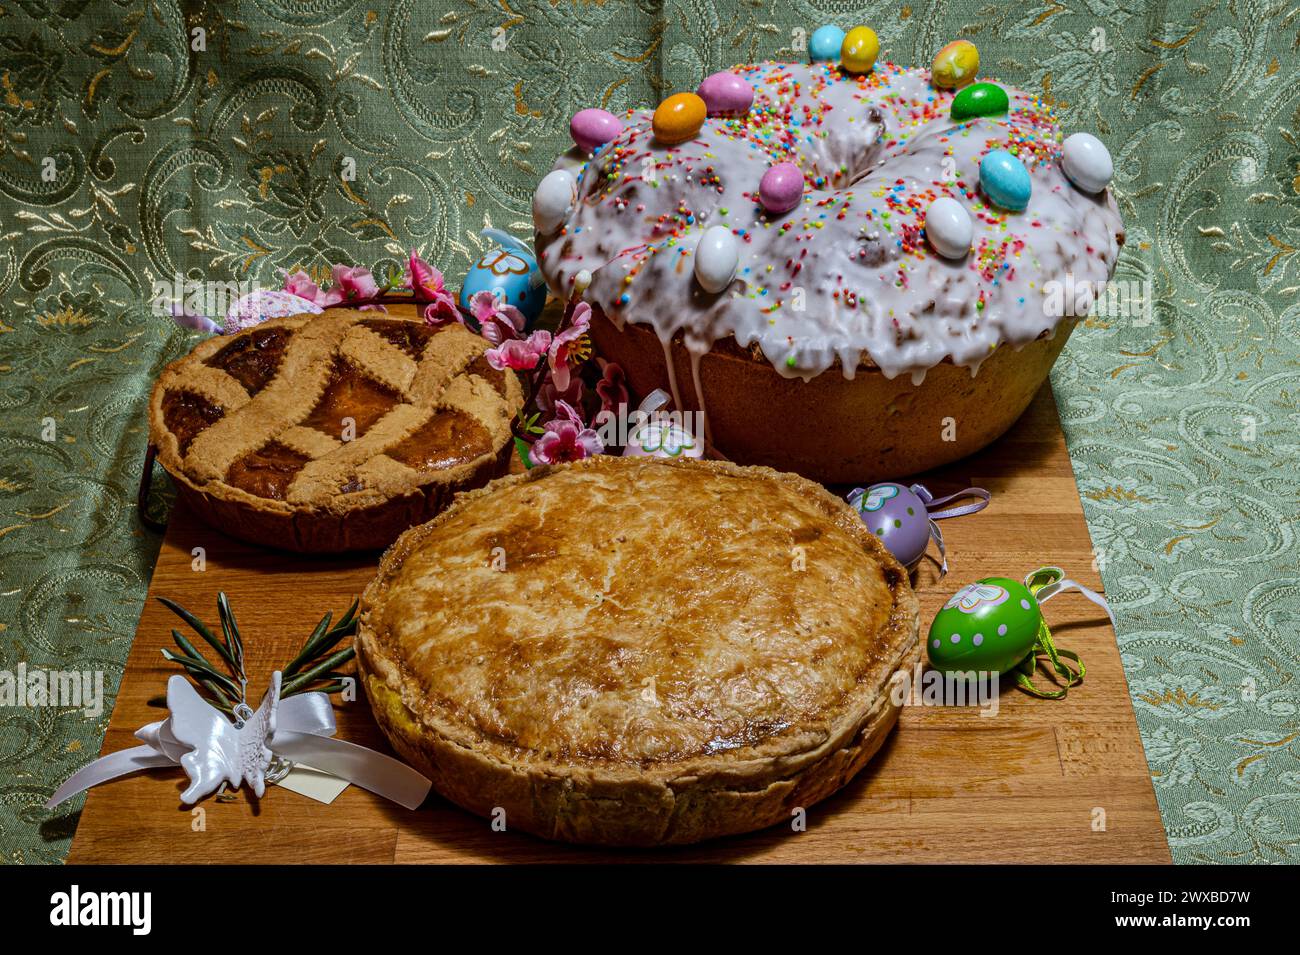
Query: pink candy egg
[[781, 188], [726, 94], [592, 128]]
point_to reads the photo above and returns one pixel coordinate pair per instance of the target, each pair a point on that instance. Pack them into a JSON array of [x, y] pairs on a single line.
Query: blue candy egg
[[508, 269], [825, 43], [1005, 180]]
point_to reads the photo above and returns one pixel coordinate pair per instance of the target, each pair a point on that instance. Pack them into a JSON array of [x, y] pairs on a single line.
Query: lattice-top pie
[[332, 432], [625, 651]]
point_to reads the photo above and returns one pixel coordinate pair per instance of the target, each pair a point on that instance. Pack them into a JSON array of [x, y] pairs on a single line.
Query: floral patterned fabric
[[229, 139]]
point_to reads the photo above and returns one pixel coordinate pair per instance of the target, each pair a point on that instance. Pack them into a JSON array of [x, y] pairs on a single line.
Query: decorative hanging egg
[[509, 270], [990, 626], [897, 517], [1086, 162], [955, 65], [948, 227], [980, 99], [1005, 180], [553, 199], [781, 188], [859, 50], [679, 118], [716, 257], [593, 128], [661, 438], [825, 43], [726, 94], [259, 306]]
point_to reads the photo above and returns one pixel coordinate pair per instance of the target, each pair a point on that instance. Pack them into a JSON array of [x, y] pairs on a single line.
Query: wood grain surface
[[1040, 781]]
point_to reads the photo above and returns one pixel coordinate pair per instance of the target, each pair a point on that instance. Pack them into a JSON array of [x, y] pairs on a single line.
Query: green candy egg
[[980, 99], [988, 626]]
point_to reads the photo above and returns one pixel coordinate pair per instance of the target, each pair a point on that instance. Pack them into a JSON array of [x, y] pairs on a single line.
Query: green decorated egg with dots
[[988, 626]]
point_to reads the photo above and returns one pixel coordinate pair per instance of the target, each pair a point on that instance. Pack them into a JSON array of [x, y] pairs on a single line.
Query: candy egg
[[679, 118], [508, 269], [553, 199], [980, 99], [781, 188], [948, 227], [990, 626], [662, 438], [726, 94], [716, 258], [1005, 180], [897, 517], [859, 49], [1087, 163], [593, 128], [955, 65], [825, 43]]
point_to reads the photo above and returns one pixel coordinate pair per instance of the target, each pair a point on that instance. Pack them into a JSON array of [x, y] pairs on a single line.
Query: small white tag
[[313, 783]]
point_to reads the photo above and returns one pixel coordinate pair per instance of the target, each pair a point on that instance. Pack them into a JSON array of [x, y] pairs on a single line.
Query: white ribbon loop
[[212, 750]]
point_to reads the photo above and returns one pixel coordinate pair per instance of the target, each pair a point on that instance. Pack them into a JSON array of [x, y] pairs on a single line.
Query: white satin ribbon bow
[[211, 749]]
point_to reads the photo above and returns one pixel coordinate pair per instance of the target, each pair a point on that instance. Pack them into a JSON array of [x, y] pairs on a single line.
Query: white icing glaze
[[876, 150]]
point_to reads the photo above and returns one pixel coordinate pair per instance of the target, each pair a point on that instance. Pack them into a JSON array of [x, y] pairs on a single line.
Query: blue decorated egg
[[897, 517], [1005, 180], [508, 269], [825, 43]]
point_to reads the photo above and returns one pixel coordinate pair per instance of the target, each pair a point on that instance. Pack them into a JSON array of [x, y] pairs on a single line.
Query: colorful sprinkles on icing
[[845, 271]]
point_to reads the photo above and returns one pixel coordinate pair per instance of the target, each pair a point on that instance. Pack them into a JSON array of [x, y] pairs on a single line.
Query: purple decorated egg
[[781, 188], [593, 128], [897, 517], [726, 94], [263, 304]]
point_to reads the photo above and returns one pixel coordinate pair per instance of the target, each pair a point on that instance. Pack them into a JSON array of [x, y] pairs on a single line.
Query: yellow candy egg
[[859, 50], [956, 65], [679, 118]]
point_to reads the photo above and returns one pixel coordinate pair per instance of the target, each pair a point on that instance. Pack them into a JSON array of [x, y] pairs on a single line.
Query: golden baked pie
[[332, 432], [627, 651]]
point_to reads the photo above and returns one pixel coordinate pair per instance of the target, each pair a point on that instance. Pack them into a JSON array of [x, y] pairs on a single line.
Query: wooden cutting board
[[1042, 781]]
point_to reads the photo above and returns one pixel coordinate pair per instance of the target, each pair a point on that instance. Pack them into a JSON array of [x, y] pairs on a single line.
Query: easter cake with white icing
[[856, 270]]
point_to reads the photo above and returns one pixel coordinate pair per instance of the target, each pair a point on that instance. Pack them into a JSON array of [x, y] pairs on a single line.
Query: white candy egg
[[716, 257], [554, 197], [948, 227], [1087, 162]]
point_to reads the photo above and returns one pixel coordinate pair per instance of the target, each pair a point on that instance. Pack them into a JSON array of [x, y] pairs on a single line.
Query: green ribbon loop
[[1044, 645]]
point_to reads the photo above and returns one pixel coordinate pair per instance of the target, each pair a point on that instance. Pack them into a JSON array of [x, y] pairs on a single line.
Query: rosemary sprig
[[314, 669]]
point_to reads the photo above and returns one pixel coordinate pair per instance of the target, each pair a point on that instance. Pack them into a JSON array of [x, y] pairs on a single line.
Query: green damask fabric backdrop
[[133, 149]]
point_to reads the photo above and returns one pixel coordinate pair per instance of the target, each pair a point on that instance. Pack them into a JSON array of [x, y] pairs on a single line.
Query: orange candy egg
[[679, 118]]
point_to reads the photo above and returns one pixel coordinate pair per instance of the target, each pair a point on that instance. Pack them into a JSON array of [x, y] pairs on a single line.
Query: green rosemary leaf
[[231, 631], [330, 663], [188, 648], [200, 668], [199, 627]]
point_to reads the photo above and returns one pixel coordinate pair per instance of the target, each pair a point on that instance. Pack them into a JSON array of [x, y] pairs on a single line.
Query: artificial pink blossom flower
[[351, 283], [497, 322], [566, 438], [548, 396], [562, 346], [300, 284], [427, 284], [612, 387], [519, 354]]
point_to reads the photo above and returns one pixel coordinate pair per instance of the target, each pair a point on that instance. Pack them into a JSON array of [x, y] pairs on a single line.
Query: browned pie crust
[[332, 432], [626, 651]]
